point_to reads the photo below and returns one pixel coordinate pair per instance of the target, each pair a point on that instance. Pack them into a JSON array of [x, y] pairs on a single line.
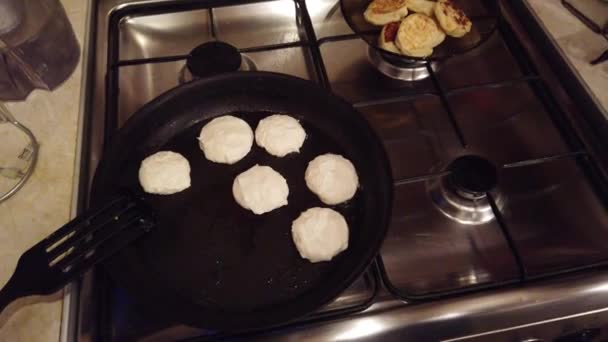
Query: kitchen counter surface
[[578, 43], [44, 203], [46, 200]]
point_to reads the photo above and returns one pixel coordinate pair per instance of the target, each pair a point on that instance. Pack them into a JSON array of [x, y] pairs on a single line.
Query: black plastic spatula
[[74, 248]]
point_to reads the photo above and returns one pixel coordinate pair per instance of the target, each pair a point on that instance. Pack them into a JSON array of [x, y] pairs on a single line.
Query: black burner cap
[[473, 175], [213, 58]]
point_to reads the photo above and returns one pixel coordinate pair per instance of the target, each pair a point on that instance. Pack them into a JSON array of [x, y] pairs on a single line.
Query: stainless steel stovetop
[[516, 261]]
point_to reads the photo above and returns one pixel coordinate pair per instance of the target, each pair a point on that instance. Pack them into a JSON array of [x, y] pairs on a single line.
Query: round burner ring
[[213, 58], [409, 72], [461, 194]]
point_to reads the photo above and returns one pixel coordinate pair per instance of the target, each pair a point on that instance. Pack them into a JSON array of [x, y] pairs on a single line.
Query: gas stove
[[500, 221]]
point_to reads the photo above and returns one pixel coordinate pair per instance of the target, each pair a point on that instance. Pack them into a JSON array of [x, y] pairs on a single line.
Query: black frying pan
[[484, 16], [211, 263]]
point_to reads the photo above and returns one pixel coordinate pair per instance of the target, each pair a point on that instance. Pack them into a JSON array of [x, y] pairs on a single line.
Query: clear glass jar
[[38, 47]]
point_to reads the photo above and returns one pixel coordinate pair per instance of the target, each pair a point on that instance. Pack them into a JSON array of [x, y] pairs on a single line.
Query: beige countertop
[[44, 202], [578, 43]]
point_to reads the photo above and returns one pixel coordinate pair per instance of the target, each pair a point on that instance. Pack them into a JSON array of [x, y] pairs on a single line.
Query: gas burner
[[399, 70], [461, 194], [472, 176], [214, 58]]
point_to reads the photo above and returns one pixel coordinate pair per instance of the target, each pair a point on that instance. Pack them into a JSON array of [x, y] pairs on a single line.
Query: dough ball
[[164, 173], [320, 234], [418, 34], [386, 40], [452, 19], [332, 177], [226, 139], [260, 189], [381, 12], [280, 135]]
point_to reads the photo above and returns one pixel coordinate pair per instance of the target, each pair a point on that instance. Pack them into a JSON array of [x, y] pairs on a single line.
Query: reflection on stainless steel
[[536, 196], [462, 209], [353, 77], [265, 23], [366, 327], [413, 72], [147, 37], [427, 252], [501, 315], [461, 193], [550, 210]]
